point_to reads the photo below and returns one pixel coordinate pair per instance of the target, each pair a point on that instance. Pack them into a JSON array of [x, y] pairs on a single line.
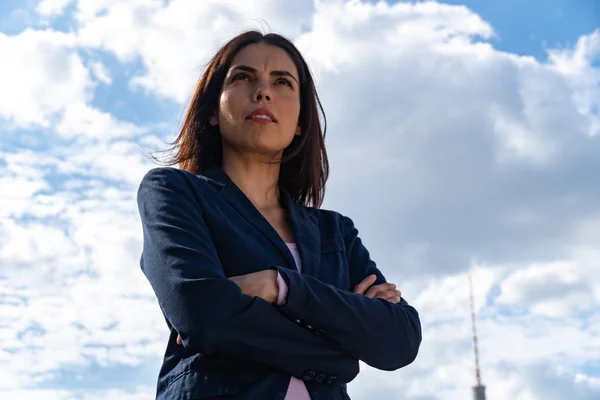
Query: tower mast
[[478, 389]]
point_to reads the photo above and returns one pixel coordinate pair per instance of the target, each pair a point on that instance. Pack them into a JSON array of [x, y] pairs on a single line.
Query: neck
[[258, 180]]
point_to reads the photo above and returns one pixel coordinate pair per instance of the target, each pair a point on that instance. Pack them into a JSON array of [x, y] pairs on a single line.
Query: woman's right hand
[[386, 291]]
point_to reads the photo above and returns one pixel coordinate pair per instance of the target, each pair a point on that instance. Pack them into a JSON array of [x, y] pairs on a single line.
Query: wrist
[[274, 288], [274, 295]]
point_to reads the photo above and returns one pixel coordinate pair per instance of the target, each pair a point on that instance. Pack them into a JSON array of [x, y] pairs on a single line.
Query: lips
[[261, 114]]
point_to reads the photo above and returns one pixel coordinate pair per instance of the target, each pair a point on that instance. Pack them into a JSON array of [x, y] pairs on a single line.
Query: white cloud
[[52, 8], [81, 285], [555, 289], [87, 122], [577, 65], [454, 289], [140, 393], [45, 76], [478, 161], [149, 30], [342, 34], [100, 72], [48, 85]]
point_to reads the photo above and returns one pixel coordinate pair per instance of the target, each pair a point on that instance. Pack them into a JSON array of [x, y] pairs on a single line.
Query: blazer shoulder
[[331, 218], [325, 214], [172, 176]]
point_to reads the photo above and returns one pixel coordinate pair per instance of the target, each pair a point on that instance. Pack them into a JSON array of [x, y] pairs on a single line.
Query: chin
[[269, 145]]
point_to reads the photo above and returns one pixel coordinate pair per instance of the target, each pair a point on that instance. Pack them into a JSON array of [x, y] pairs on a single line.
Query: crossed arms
[[181, 263]]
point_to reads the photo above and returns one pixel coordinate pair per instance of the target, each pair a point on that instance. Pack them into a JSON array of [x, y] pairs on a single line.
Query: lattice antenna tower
[[478, 389]]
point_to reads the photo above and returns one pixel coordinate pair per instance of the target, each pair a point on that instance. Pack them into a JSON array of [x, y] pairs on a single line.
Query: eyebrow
[[273, 73]]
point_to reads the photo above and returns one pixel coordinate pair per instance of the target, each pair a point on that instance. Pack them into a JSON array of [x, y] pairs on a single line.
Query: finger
[[374, 290], [179, 340], [365, 283], [396, 299], [388, 294]]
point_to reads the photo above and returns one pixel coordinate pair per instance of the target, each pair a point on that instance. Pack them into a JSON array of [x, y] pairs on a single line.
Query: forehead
[[266, 57]]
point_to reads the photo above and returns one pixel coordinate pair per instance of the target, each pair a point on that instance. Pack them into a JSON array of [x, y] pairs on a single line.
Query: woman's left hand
[[385, 291], [261, 284]]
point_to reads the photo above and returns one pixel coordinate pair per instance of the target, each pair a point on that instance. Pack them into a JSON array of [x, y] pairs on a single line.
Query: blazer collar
[[303, 223]]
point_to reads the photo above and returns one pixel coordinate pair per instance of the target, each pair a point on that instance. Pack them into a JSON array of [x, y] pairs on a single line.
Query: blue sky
[[530, 27], [480, 125]]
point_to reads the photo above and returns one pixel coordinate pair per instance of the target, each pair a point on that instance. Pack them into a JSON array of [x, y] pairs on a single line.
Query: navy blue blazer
[[200, 229]]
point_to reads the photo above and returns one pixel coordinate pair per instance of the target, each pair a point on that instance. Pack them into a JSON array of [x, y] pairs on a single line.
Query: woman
[[266, 295]]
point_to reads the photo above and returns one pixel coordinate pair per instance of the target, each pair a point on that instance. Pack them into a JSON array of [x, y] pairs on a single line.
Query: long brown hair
[[304, 165]]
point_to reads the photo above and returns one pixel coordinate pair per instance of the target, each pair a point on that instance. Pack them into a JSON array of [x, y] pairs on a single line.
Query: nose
[[263, 91]]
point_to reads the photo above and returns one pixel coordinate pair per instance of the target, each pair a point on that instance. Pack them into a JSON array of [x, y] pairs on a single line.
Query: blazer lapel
[[307, 233], [238, 200], [304, 225]]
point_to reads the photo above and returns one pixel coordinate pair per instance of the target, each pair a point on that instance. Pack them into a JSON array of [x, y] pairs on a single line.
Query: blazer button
[[309, 376], [320, 378], [320, 332], [299, 322], [309, 327], [330, 380]]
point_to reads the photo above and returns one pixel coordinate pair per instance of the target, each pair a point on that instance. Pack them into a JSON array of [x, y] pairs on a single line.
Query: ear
[[213, 120], [298, 130]]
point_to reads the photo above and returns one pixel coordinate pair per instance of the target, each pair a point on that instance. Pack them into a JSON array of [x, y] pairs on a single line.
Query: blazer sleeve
[[384, 335], [209, 311]]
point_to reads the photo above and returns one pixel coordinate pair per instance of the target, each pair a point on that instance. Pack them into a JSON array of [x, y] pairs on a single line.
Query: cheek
[[292, 109], [227, 108]]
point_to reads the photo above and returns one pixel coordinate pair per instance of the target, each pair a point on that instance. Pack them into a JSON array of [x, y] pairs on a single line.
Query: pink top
[[297, 388]]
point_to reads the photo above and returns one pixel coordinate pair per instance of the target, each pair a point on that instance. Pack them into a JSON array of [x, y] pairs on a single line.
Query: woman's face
[[263, 77]]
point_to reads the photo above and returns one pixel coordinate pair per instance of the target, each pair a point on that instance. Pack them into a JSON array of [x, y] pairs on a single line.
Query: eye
[[285, 81], [236, 76]]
